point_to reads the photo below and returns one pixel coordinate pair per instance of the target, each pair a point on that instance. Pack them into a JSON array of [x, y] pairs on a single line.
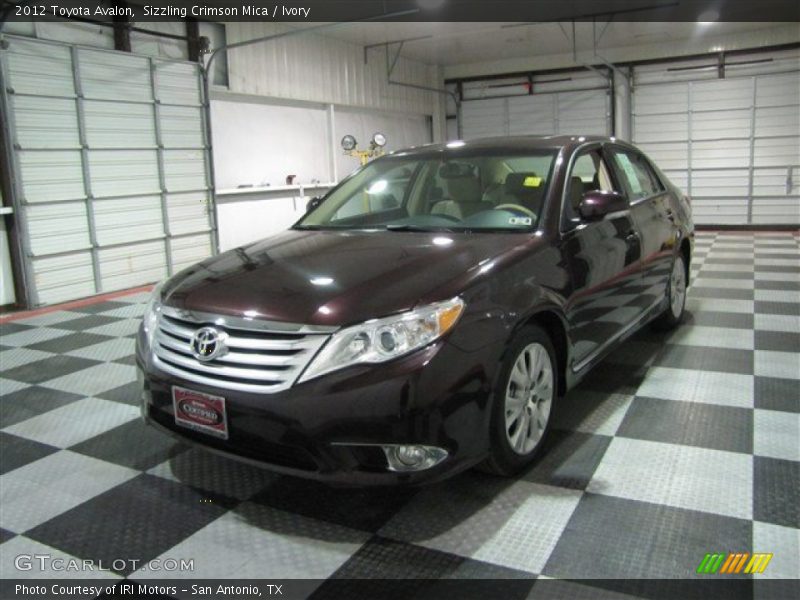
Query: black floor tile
[[612, 378], [709, 318], [69, 342], [139, 519], [702, 358], [778, 269], [130, 393], [364, 509], [17, 452], [30, 402], [11, 327], [776, 493], [382, 558], [48, 368], [727, 261], [773, 393], [689, 424], [568, 459], [784, 286], [99, 307], [83, 323], [778, 308], [126, 360], [780, 341], [719, 272], [715, 292], [6, 535], [776, 256], [649, 540], [133, 445]]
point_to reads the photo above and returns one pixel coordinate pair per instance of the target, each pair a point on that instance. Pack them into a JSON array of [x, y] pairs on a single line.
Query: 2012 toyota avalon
[[425, 316]]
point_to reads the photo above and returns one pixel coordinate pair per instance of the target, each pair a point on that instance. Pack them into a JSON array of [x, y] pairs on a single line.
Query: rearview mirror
[[313, 203], [597, 204]]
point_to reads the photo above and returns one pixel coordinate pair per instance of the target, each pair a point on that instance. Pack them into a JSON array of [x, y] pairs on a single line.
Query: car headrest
[[464, 189], [523, 183]]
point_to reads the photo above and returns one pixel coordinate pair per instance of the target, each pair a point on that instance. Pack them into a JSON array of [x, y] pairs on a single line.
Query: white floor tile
[[681, 476], [94, 380], [256, 541], [776, 434], [716, 337], [26, 547], [784, 544], [706, 387], [78, 421], [54, 484], [766, 322], [785, 365]]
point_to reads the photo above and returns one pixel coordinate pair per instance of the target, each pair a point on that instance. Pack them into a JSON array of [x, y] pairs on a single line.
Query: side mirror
[[313, 203], [597, 204]]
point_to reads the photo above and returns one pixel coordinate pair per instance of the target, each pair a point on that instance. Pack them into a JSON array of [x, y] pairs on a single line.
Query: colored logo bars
[[734, 562]]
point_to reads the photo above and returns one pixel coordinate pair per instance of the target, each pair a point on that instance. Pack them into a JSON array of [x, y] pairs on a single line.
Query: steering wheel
[[516, 207]]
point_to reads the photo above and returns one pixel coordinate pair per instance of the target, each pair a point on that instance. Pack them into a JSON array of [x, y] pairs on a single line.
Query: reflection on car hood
[[333, 277]]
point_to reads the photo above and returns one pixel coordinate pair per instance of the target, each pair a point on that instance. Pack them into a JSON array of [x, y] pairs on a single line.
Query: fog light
[[413, 458]]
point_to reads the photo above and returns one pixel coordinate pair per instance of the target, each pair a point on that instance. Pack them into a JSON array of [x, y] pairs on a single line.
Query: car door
[[654, 218], [603, 258]]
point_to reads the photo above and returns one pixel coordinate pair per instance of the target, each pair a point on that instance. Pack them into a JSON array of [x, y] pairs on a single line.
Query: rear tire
[[523, 402], [676, 297]]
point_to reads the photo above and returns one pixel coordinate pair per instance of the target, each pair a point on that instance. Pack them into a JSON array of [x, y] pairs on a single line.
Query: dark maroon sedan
[[425, 316]]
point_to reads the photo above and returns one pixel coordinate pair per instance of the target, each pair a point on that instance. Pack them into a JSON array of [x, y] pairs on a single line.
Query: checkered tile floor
[[680, 444]]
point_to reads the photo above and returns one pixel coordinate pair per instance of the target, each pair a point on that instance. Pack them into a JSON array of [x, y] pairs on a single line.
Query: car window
[[475, 191], [382, 194], [636, 174], [589, 173]]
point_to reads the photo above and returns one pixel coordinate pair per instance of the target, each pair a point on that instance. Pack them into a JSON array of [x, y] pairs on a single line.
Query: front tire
[[676, 297], [522, 402]]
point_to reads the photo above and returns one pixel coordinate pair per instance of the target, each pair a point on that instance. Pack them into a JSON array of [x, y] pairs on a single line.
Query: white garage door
[[111, 167], [733, 144], [579, 104]]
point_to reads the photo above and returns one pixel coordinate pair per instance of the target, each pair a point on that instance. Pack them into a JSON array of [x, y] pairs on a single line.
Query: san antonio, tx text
[[140, 589]]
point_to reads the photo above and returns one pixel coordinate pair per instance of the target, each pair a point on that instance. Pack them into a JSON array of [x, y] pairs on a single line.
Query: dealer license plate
[[199, 411]]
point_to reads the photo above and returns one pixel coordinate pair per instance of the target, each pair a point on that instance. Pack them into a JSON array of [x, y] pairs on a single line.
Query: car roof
[[506, 143]]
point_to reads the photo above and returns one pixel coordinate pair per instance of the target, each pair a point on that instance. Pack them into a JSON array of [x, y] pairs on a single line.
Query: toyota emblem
[[207, 344]]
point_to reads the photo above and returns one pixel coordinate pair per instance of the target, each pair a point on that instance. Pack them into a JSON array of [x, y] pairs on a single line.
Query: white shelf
[[270, 189]]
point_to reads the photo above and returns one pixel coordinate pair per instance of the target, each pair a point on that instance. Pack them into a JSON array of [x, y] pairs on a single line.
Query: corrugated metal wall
[[578, 103], [112, 171], [733, 144], [323, 69]]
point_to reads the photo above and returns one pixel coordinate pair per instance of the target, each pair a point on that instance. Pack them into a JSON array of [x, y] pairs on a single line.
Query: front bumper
[[331, 429]]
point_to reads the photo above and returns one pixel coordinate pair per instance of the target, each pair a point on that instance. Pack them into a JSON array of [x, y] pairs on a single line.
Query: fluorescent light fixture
[[456, 144], [321, 280]]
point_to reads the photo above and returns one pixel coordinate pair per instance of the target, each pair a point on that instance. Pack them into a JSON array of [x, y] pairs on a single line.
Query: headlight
[[380, 340], [151, 314]]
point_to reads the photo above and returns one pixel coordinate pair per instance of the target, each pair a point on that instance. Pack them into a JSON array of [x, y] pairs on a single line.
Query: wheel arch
[[553, 323]]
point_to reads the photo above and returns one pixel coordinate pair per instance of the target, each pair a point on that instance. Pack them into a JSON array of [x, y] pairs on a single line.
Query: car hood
[[337, 278]]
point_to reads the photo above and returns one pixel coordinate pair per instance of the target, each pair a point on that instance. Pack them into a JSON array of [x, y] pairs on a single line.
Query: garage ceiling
[[459, 43]]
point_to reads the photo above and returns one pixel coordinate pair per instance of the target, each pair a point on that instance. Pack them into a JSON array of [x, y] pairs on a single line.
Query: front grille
[[262, 357]]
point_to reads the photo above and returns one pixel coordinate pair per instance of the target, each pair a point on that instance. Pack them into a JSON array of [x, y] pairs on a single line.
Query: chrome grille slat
[[233, 341], [264, 361], [259, 360]]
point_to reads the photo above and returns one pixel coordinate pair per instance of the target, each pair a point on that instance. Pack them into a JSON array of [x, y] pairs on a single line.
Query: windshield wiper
[[429, 228]]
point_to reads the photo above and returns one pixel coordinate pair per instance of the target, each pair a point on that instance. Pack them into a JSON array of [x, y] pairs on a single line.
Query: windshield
[[486, 192]]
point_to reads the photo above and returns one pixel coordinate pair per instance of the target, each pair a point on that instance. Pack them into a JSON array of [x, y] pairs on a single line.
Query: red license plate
[[199, 411]]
